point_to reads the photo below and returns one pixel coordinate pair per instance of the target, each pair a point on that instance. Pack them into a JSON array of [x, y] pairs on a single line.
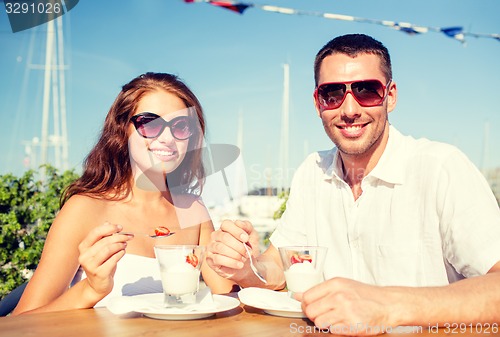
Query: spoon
[[254, 269]]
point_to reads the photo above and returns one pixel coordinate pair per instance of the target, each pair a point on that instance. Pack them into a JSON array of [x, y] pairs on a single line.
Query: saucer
[[151, 305], [276, 303]]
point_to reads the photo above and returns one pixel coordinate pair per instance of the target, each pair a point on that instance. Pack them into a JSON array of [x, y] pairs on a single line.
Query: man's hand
[[226, 253], [348, 306]]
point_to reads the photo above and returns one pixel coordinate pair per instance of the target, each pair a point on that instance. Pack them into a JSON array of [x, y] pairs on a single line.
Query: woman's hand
[[100, 252]]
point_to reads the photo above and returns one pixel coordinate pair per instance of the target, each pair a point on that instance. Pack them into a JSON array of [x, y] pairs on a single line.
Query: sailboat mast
[[62, 97], [285, 126], [54, 86], [49, 53]]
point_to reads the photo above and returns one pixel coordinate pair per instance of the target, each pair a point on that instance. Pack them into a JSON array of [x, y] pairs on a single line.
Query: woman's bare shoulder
[[84, 209], [85, 202]]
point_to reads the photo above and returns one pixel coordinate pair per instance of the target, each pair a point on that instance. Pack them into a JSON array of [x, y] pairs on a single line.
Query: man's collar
[[390, 167]]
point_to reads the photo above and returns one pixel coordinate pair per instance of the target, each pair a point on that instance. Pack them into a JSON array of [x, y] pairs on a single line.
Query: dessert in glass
[[180, 272], [303, 267]]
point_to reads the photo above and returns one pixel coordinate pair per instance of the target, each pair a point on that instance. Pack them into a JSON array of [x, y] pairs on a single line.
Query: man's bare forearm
[[473, 300]]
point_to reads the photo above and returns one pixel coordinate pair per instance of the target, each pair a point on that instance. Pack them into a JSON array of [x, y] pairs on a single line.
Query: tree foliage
[[28, 205]]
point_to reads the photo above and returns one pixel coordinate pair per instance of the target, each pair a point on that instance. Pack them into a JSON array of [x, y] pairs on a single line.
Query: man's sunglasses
[[367, 93], [150, 125]]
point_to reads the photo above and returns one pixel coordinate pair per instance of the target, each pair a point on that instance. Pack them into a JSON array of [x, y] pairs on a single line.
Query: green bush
[[279, 212], [265, 242], [28, 205]]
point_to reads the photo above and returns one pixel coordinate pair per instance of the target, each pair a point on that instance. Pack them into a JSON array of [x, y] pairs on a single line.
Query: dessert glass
[[180, 272], [303, 267]]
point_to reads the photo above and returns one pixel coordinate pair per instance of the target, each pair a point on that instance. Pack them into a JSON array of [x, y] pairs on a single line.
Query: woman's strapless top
[[134, 275]]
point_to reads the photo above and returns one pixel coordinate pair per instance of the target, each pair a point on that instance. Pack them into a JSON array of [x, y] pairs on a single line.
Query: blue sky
[[234, 63]]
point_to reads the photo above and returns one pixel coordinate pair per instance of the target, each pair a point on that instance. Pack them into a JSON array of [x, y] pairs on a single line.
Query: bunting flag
[[237, 8], [456, 33]]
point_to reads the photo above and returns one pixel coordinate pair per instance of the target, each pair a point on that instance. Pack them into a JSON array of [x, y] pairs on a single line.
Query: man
[[404, 220]]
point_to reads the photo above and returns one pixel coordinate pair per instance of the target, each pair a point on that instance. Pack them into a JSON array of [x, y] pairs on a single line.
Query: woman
[[144, 172]]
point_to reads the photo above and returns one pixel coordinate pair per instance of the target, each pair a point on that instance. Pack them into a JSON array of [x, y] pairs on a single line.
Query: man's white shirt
[[426, 216]]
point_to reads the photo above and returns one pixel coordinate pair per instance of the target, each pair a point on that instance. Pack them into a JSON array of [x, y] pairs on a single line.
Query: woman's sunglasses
[[367, 93], [150, 125]]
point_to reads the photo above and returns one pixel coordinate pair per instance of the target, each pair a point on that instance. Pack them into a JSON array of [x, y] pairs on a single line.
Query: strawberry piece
[[192, 259], [162, 231], [295, 258]]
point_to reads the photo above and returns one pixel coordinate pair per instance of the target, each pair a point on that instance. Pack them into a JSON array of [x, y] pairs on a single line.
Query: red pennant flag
[[235, 7]]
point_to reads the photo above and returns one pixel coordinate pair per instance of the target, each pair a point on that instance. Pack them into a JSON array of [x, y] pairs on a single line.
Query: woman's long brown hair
[[107, 171]]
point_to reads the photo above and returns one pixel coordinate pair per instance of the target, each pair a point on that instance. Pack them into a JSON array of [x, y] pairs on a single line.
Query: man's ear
[[392, 96]]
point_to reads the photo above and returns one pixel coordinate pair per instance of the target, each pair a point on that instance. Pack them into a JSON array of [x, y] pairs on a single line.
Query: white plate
[[276, 303], [156, 310]]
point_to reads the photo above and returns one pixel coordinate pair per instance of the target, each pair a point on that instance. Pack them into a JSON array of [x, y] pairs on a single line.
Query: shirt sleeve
[[470, 217]]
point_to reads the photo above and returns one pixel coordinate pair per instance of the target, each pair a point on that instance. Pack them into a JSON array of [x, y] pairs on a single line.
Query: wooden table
[[242, 321]]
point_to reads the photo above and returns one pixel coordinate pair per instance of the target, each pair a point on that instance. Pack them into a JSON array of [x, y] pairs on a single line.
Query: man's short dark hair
[[353, 45]]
